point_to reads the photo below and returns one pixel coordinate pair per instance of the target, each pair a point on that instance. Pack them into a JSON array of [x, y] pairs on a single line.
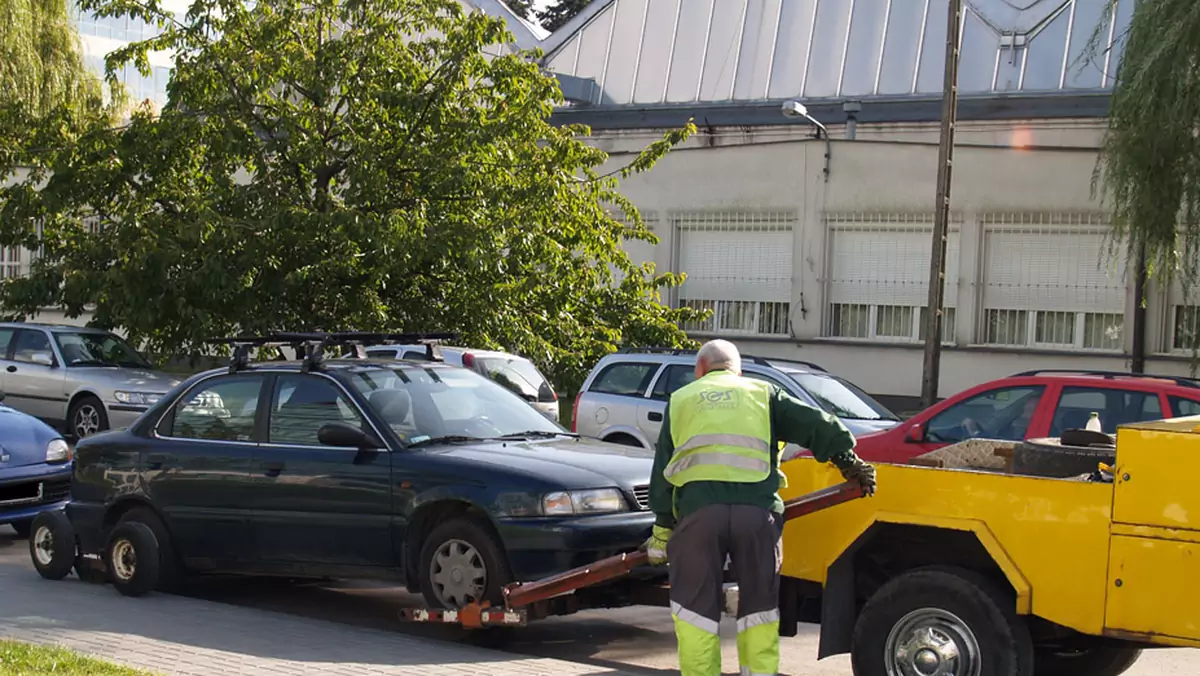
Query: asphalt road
[[638, 639]]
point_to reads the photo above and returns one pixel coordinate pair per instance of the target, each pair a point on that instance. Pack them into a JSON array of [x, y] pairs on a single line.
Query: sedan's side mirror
[[346, 436], [42, 358], [916, 434]]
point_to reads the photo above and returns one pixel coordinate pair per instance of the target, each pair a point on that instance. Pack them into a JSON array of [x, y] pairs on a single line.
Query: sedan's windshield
[[518, 375], [97, 349], [841, 398], [436, 402]]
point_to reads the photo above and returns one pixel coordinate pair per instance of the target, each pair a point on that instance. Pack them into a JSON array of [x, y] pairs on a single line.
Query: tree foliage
[[41, 64], [1149, 170], [555, 16], [522, 8], [340, 164]]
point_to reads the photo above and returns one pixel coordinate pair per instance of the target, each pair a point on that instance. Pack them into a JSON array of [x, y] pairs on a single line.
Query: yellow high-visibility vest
[[721, 428]]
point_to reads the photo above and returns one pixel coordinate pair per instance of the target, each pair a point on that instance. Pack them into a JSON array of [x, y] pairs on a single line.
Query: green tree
[[334, 164], [562, 11], [41, 63], [1149, 170]]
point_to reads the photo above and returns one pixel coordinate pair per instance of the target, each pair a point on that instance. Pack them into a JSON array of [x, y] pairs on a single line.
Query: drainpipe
[[852, 109]]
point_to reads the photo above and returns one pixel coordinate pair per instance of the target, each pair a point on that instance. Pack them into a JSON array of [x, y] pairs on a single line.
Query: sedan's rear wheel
[[462, 562]]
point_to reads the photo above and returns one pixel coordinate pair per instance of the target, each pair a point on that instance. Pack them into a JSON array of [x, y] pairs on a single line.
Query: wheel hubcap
[[87, 421], [458, 574], [43, 546], [932, 642], [124, 560]]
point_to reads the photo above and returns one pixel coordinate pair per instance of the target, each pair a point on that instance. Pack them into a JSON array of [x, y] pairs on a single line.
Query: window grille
[[1051, 281], [739, 265]]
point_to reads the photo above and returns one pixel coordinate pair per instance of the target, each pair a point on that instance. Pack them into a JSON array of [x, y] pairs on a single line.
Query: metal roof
[[655, 52]]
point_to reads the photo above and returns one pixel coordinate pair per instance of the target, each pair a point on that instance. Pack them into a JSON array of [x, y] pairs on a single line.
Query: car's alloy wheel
[[458, 574], [86, 421]]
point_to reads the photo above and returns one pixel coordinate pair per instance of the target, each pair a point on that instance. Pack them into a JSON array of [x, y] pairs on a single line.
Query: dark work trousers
[[697, 550]]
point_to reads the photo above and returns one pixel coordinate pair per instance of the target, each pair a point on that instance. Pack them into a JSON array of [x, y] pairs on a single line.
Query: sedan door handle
[[655, 416], [272, 467], [156, 460], [11, 369]]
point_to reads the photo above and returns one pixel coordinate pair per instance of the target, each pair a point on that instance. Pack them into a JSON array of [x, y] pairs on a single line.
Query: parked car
[[623, 398], [83, 380], [512, 371], [1032, 405], [425, 473], [35, 469]]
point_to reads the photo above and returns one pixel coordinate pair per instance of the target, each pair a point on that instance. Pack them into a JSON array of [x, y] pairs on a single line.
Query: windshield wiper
[[446, 439], [536, 433]]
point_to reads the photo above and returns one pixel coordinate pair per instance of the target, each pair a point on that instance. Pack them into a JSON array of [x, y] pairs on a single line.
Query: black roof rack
[[1111, 375], [677, 352], [310, 347]]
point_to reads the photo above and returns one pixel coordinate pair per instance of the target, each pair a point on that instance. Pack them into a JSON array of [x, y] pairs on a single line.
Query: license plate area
[[20, 494]]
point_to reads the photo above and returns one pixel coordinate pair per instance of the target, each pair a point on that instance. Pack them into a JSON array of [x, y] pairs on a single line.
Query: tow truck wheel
[[52, 544], [1096, 658], [132, 558], [940, 621], [461, 562]]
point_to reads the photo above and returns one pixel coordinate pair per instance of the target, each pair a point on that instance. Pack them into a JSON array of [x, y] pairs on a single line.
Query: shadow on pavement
[[327, 623]]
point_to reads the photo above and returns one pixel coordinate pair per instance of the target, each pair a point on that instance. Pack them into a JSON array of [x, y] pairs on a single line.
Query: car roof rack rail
[[310, 347], [1111, 375], [678, 352]]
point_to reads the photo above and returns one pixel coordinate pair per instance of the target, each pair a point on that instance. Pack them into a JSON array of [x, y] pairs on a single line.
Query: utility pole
[[1138, 364], [941, 218]]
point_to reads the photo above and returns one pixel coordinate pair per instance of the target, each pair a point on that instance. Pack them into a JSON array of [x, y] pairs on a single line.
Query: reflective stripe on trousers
[[699, 642], [758, 643]]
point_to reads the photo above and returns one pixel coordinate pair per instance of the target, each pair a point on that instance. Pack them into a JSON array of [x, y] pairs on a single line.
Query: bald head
[[718, 354]]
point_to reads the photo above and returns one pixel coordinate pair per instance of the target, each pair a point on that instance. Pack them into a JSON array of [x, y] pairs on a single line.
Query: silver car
[[512, 371], [84, 380], [624, 397]]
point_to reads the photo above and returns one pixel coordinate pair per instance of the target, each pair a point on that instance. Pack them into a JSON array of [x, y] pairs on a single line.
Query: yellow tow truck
[[988, 573]]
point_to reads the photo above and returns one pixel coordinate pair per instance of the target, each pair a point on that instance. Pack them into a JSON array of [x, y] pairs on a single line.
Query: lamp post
[[794, 110]]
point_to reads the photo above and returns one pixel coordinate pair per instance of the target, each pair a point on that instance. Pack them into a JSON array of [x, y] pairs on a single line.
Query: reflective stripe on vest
[[721, 426]]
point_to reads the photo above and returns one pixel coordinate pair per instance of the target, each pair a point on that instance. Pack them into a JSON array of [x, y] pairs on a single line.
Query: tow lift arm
[[520, 598]]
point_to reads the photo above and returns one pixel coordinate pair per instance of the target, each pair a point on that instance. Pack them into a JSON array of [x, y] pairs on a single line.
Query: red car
[[1034, 404]]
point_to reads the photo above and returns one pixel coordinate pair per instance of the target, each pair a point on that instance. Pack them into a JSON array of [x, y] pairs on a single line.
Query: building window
[[1185, 327], [739, 266], [1048, 283], [896, 323], [878, 276], [1054, 329], [740, 317], [10, 262]]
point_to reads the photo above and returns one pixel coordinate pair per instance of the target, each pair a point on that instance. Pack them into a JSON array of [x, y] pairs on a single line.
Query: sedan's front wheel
[[462, 562], [87, 417]]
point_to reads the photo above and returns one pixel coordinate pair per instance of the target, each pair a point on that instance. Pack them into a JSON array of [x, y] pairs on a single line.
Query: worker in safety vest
[[714, 491]]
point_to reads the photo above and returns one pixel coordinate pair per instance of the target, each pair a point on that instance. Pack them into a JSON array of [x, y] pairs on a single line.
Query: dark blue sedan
[[35, 469]]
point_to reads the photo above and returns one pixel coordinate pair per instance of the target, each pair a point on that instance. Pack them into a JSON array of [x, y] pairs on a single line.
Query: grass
[[25, 659]]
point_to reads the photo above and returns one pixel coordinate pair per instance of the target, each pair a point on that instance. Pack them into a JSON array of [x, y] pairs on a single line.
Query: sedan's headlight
[[58, 451], [138, 398], [597, 501]]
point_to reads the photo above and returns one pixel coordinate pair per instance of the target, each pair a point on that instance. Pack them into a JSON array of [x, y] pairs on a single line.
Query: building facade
[[819, 248]]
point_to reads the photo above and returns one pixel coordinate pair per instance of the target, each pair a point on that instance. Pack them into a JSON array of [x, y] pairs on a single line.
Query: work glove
[[656, 545], [861, 472]]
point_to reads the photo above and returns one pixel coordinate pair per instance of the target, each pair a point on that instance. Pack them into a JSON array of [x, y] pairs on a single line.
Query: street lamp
[[794, 110]]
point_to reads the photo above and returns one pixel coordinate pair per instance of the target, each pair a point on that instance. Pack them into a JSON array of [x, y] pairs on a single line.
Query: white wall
[[1051, 174]]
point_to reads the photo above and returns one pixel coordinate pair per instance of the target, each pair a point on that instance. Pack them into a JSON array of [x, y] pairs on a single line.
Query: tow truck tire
[[1051, 458], [52, 544], [170, 569], [964, 611], [469, 547], [1099, 658], [132, 559]]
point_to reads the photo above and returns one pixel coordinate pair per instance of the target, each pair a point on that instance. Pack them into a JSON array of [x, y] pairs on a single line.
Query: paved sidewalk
[[176, 635]]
